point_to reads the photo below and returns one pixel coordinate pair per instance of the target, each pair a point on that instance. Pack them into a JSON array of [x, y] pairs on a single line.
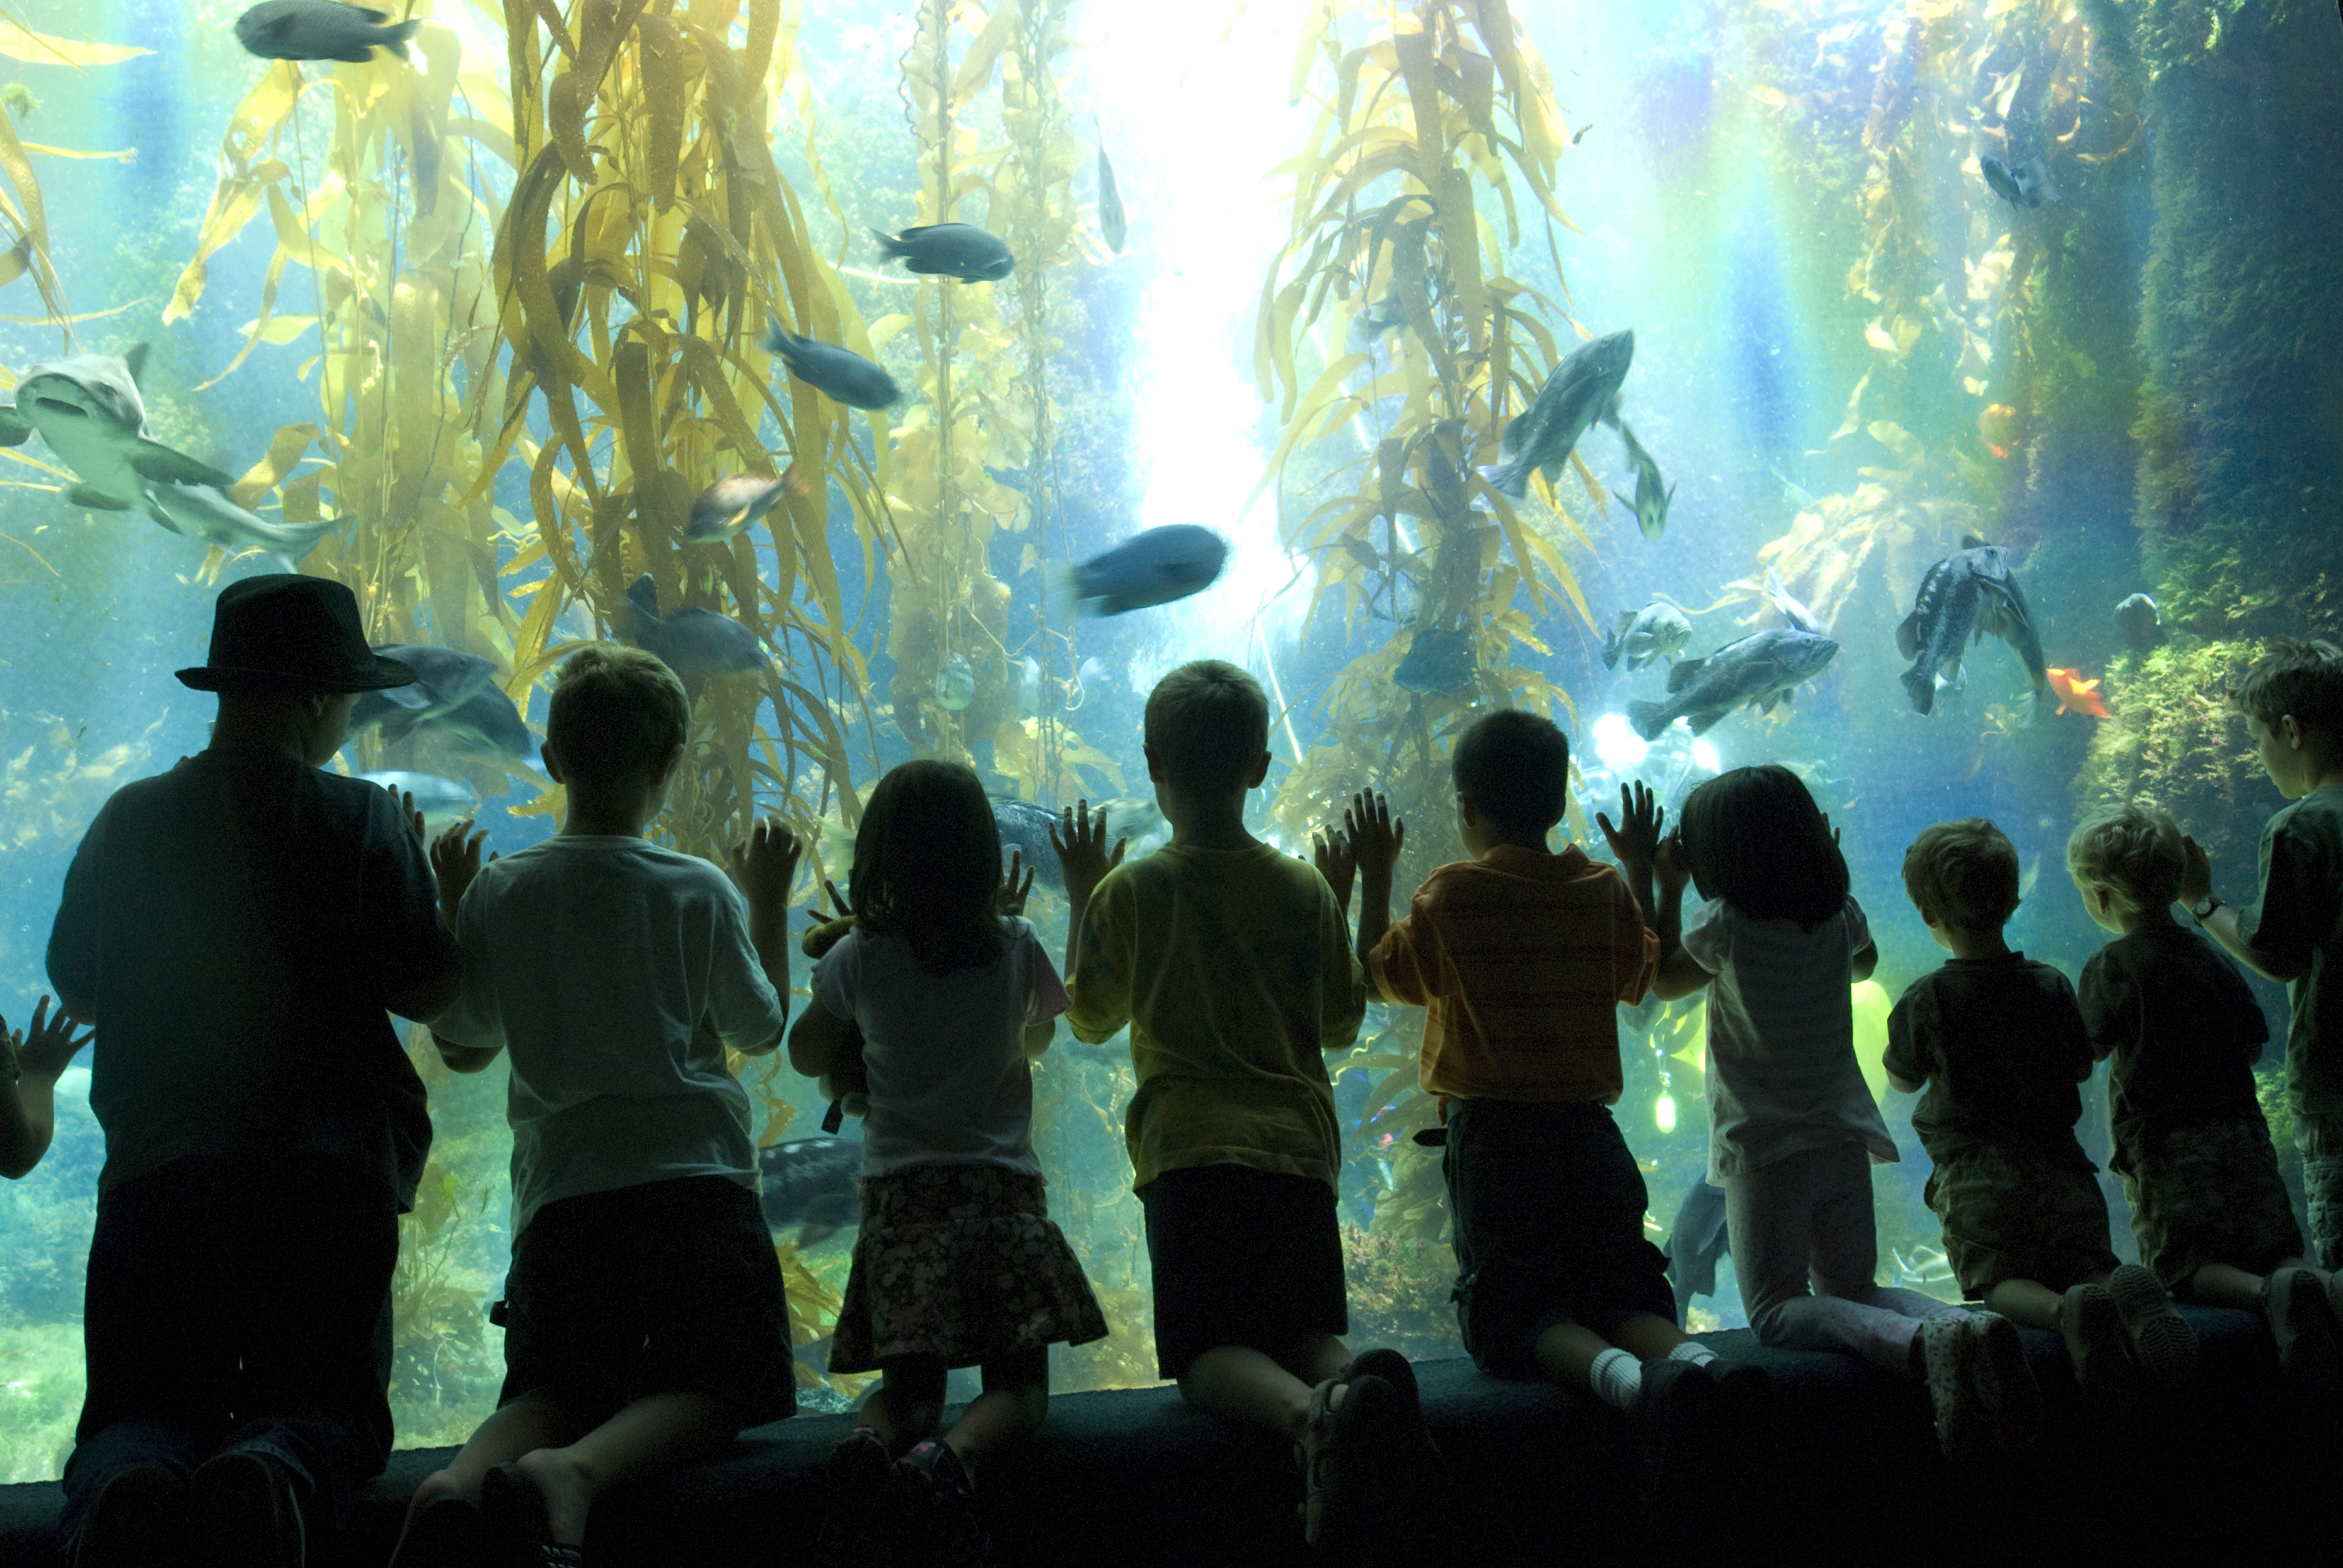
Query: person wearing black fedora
[[238, 929]]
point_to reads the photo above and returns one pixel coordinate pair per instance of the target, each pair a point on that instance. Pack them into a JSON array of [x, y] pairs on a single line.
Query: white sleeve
[[475, 1019], [839, 976], [1708, 936], [1043, 986], [742, 1005]]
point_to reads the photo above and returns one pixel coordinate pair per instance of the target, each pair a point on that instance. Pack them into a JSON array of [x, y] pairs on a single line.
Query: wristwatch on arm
[[2202, 909]]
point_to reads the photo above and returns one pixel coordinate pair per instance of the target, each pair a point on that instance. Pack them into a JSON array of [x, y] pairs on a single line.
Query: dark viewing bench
[[2234, 1466]]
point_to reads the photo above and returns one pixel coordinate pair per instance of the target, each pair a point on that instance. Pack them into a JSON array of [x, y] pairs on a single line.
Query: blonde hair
[[2134, 852], [1209, 723], [1966, 872], [616, 713]]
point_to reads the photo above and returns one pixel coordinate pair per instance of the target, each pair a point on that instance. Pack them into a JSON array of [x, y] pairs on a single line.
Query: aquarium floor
[[1132, 1477]]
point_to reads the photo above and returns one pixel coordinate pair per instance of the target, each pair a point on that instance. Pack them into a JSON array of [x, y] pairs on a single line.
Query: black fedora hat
[[289, 632]]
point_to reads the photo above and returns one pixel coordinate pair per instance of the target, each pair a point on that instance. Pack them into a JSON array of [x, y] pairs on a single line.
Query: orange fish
[[2076, 694], [1998, 423]]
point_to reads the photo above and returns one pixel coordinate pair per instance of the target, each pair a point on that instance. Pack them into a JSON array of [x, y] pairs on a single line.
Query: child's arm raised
[[764, 867], [28, 1113], [2286, 913], [1330, 851], [455, 866], [1375, 837], [1080, 840], [1680, 973], [1654, 866]]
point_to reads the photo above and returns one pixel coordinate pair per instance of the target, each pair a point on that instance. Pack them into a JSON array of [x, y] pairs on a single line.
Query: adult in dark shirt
[[235, 928], [1998, 1042], [2210, 1209]]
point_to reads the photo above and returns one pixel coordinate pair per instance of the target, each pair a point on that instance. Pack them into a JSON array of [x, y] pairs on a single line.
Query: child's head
[[1961, 876], [926, 866], [617, 721], [1208, 729], [1755, 838], [2292, 698], [1513, 770], [2126, 861]]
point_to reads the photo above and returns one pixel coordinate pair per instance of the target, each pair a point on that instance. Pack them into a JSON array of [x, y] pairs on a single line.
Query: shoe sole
[[2160, 1337], [2311, 1360], [246, 1513], [2101, 1352], [1367, 1484], [139, 1521], [1676, 1475], [858, 1524]]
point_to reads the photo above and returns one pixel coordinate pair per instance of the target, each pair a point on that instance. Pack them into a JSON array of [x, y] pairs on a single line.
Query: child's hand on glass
[[1670, 871], [455, 861], [405, 802], [1635, 841], [1080, 840], [827, 929], [767, 864], [1375, 836], [1011, 901], [45, 1046], [1331, 852]]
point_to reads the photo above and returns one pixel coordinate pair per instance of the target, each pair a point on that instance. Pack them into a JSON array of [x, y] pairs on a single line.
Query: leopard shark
[[88, 410]]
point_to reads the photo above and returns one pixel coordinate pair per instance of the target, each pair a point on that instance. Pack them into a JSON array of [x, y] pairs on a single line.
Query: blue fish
[[1583, 389], [960, 250], [445, 680], [691, 641], [837, 373], [1156, 567]]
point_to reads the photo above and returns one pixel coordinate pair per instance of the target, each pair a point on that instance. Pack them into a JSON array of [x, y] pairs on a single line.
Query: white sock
[[1617, 1379], [1692, 1351]]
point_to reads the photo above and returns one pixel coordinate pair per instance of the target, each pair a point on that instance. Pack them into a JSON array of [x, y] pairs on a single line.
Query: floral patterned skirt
[[960, 1262]]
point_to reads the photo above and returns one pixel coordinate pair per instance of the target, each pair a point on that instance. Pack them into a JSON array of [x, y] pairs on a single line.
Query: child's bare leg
[[2029, 1303], [657, 1432], [1261, 1390], [904, 1408], [1016, 1397], [1566, 1351], [1649, 1336], [526, 1423], [2220, 1285]]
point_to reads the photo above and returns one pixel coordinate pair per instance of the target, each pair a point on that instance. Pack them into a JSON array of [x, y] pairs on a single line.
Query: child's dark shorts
[[1549, 1206], [1241, 1257], [2207, 1192], [669, 1287], [2011, 1213]]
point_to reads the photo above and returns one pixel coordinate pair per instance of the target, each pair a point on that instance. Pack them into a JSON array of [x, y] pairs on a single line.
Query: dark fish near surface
[[960, 250], [1760, 669], [1697, 1241], [320, 30], [1437, 660], [445, 680], [813, 1184], [731, 504], [691, 641], [2136, 619], [2027, 185], [1653, 493], [1583, 388], [1658, 630], [1972, 591], [838, 373], [1113, 227], [1151, 568], [1025, 829]]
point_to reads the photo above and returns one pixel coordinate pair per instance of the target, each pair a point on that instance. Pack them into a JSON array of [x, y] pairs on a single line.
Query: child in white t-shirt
[[957, 1262], [645, 1325], [1793, 1128]]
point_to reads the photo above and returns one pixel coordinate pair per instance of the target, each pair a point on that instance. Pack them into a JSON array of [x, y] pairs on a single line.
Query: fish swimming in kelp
[[2076, 695], [1968, 593], [445, 680], [956, 683], [1757, 671], [1438, 658], [960, 250], [88, 408], [1659, 630], [1024, 828], [2137, 619], [1154, 567], [1583, 389], [2027, 185], [813, 1184], [1114, 226], [731, 504], [691, 641], [1653, 493], [840, 374], [321, 30]]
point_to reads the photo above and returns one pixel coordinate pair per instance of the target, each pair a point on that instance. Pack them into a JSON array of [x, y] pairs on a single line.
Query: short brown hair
[[2300, 676], [616, 712], [2135, 852], [1207, 723], [1964, 872]]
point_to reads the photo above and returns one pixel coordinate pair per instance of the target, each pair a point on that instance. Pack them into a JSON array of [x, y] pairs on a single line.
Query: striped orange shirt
[[1522, 957]]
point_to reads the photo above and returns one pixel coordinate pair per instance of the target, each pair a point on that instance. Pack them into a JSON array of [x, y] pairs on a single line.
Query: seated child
[[643, 1315], [1997, 1045], [1522, 956], [2292, 698], [1793, 1129], [957, 1262], [2208, 1204], [1233, 965], [31, 1059]]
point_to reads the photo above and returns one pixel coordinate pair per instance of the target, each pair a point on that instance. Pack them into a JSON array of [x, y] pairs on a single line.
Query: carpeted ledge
[[2235, 1465]]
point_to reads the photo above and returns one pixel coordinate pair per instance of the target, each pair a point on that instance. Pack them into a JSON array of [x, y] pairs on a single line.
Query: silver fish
[[838, 373], [960, 250], [1113, 226], [1970, 592], [1653, 493], [487, 726], [956, 684], [1659, 630], [2027, 185], [1154, 567], [321, 30], [731, 504], [1759, 670], [1583, 389], [1437, 660], [1796, 614]]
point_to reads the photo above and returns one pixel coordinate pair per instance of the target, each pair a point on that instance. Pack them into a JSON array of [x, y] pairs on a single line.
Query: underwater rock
[[1154, 567], [2027, 185], [837, 373], [1658, 630], [2137, 619], [1973, 590], [440, 800], [1113, 226], [1437, 660], [813, 1184], [691, 640], [445, 680], [1583, 388], [321, 30], [731, 504], [960, 250], [1759, 670], [956, 684]]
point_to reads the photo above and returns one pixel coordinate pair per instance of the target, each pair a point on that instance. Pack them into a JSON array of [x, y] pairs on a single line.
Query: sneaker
[[858, 1526], [939, 1508], [2005, 1385], [247, 1513], [1676, 1421], [2303, 1324], [514, 1524], [447, 1533], [1355, 1475], [139, 1521], [2162, 1342], [1430, 1469], [2098, 1349], [1949, 1352]]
